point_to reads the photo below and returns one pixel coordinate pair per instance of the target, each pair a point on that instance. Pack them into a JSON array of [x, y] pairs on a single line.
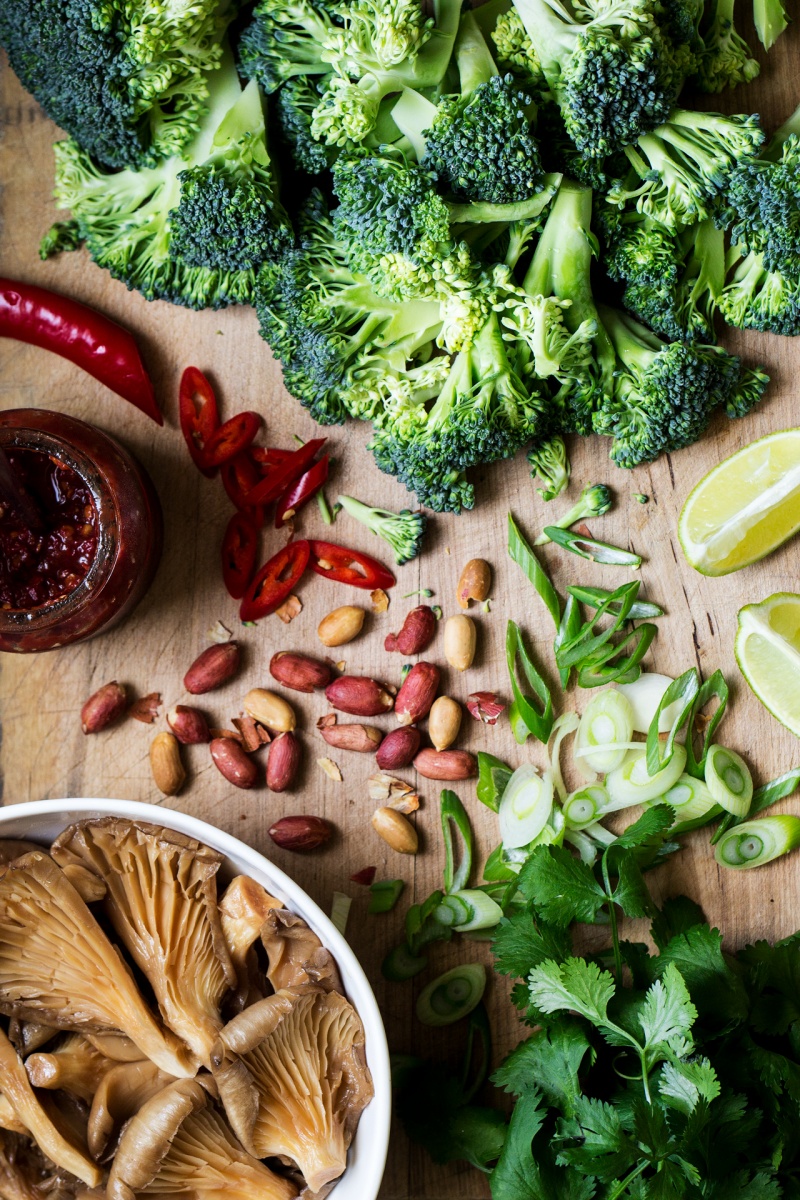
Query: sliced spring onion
[[763, 797], [453, 995], [729, 780], [713, 688], [618, 663], [587, 849], [591, 638], [498, 869], [585, 806], [340, 911], [682, 691], [522, 553], [690, 799], [645, 696], [526, 805], [633, 784], [551, 835], [384, 895], [754, 843], [469, 910], [593, 597], [607, 718], [569, 625], [400, 964], [599, 833], [528, 715], [566, 724], [454, 817], [599, 552], [493, 777]]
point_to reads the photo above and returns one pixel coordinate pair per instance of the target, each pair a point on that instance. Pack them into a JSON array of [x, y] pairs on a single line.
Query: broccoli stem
[[782, 135], [553, 32], [595, 500], [634, 344], [770, 21], [473, 57], [413, 115]]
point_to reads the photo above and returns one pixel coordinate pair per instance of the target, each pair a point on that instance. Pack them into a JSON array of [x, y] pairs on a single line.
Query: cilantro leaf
[[676, 916], [631, 893], [743, 1186], [525, 1174], [666, 1016], [549, 1061], [775, 972], [521, 943], [599, 1144], [577, 984], [682, 1085], [562, 888], [431, 1106], [718, 994]]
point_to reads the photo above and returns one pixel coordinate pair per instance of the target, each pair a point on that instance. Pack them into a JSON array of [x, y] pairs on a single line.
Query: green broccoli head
[[757, 298], [763, 204], [725, 60], [403, 531], [294, 107], [287, 39], [515, 51], [550, 462]]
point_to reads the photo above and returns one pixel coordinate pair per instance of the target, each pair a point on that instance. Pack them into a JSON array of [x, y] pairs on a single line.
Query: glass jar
[[126, 533]]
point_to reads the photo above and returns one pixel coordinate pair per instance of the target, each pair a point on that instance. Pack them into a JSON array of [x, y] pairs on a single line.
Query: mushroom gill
[[178, 1144], [74, 1065], [296, 955], [162, 902], [122, 1092], [58, 967], [292, 1075], [243, 910], [54, 1140]]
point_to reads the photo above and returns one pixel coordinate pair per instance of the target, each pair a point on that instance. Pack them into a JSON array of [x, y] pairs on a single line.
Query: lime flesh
[[768, 653]]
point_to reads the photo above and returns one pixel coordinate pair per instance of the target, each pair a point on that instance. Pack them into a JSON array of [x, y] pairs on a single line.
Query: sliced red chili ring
[[231, 438], [337, 562], [199, 416], [239, 552], [240, 476], [274, 581], [303, 490], [269, 456], [277, 480]]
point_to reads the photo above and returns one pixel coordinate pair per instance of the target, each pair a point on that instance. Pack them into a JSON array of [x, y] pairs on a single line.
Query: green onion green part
[[713, 688], [754, 843], [729, 780], [469, 911], [457, 863], [452, 996], [692, 802], [593, 597], [568, 626], [523, 555], [384, 895], [684, 689], [528, 716], [400, 964], [493, 776], [598, 552]]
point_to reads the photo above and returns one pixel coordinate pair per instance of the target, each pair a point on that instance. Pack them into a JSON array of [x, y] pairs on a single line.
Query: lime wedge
[[767, 650], [745, 508]]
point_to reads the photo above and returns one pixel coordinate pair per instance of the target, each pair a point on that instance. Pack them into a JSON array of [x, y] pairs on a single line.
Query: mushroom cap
[[58, 967], [179, 1143], [293, 1078], [162, 902], [122, 1092], [296, 956], [243, 909], [11, 848]]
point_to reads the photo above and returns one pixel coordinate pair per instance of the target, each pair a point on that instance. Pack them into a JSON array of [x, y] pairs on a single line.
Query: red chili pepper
[[240, 476], [87, 338], [268, 456], [274, 581], [231, 438], [281, 477], [239, 551], [302, 491], [337, 562], [199, 416], [366, 876]]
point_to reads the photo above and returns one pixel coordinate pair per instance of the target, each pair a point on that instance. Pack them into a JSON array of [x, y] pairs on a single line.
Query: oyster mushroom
[[292, 1075], [90, 887], [57, 966], [162, 902], [115, 1046], [54, 1140], [122, 1092], [296, 955], [9, 1120], [11, 848], [178, 1144], [75, 1066], [25, 1174], [27, 1036], [243, 910]]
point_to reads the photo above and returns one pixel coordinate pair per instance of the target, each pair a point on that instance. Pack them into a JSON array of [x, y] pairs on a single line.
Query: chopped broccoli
[[64, 235], [403, 531], [679, 171], [515, 51], [595, 501], [130, 86], [295, 104], [770, 20], [664, 394], [757, 298], [612, 67], [763, 201], [194, 229], [726, 59], [549, 461]]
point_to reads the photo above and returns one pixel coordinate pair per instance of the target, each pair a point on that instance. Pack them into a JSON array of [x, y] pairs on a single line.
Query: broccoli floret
[[515, 51], [550, 462], [129, 86], [64, 235], [595, 501], [611, 66], [726, 59], [680, 170], [195, 229], [763, 201], [295, 104], [403, 531], [757, 298], [770, 20], [664, 394]]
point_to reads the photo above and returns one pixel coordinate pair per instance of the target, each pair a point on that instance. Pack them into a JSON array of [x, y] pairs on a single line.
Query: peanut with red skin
[[232, 762], [104, 707], [358, 696], [299, 671], [363, 739], [419, 629], [475, 582], [301, 833], [398, 748], [417, 694], [283, 761], [188, 724], [212, 668], [454, 765]]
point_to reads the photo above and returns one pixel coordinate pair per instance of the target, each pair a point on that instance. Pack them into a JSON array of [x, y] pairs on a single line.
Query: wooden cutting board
[[43, 753]]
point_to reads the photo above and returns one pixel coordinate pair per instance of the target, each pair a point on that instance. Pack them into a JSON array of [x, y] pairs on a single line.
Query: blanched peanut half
[[460, 638]]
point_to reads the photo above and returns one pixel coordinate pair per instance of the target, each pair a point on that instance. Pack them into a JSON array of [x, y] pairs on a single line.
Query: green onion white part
[[586, 806], [690, 799], [644, 696], [607, 719], [587, 849], [755, 843], [729, 780], [452, 996], [468, 910], [566, 724], [526, 806], [633, 784], [340, 911]]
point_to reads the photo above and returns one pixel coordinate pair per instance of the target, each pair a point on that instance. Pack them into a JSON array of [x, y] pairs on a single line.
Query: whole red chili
[[199, 416], [239, 551], [279, 478], [339, 563], [92, 341], [231, 438], [303, 490], [275, 580]]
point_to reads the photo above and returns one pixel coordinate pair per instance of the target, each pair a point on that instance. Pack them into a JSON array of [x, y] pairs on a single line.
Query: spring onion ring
[[729, 780], [754, 843], [526, 806], [633, 784], [452, 996], [606, 720]]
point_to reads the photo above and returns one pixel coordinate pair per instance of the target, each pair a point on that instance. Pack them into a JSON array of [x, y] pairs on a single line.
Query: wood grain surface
[[43, 753]]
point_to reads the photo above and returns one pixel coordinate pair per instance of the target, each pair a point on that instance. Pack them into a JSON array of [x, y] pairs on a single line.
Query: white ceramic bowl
[[43, 820]]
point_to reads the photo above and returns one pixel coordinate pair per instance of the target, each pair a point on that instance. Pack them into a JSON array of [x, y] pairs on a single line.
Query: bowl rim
[[359, 990]]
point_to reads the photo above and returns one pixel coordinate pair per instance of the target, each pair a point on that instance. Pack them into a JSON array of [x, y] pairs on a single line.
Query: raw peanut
[[460, 637], [341, 625], [165, 763], [330, 768], [398, 748], [253, 735], [270, 710], [359, 696], [444, 722], [364, 739], [283, 761], [232, 761], [417, 694], [396, 830], [446, 764], [104, 707], [188, 724], [418, 632], [145, 709], [299, 672], [301, 833], [475, 582], [212, 668]]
